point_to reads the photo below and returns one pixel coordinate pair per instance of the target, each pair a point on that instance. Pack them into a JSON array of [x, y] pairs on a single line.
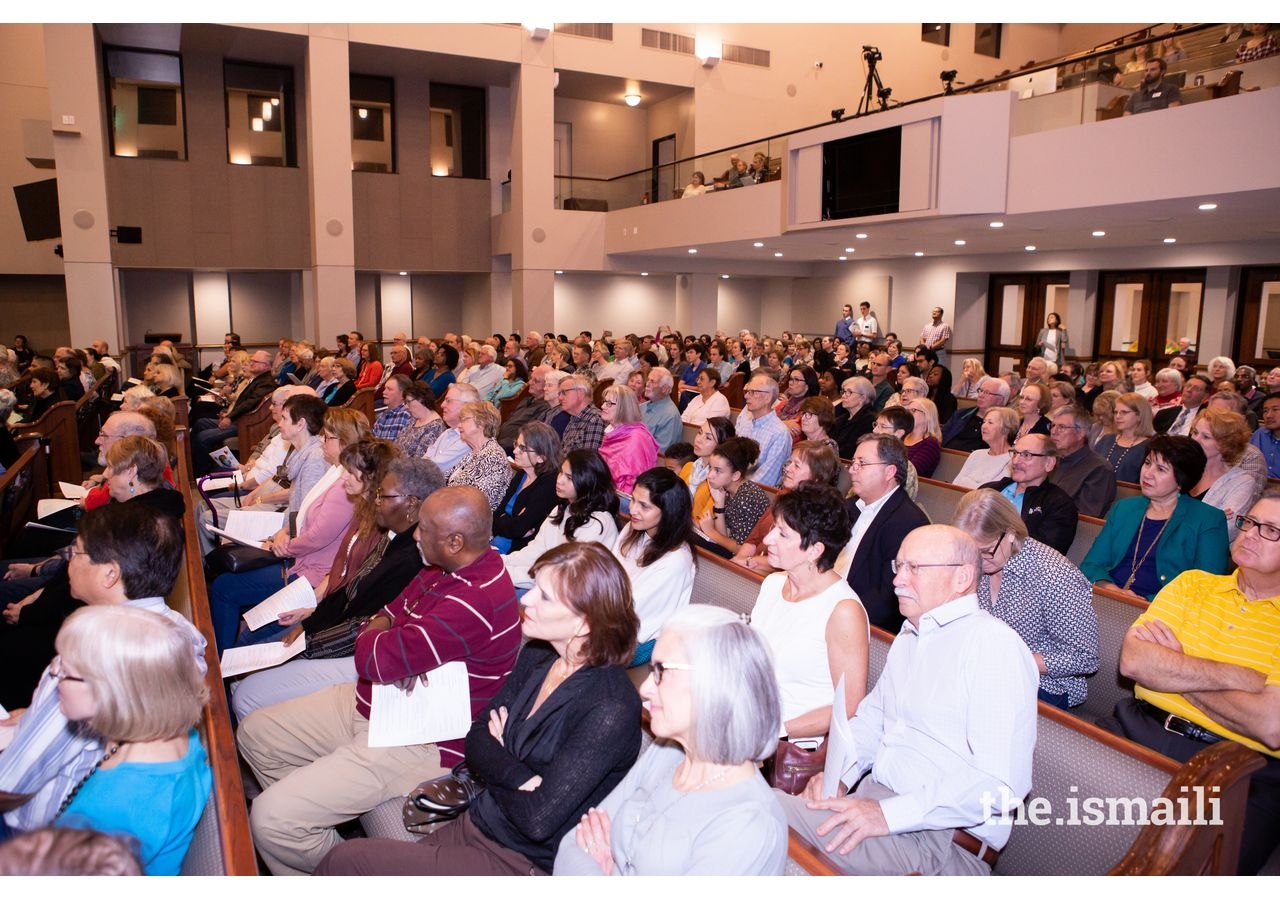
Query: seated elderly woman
[[855, 415], [1151, 539], [737, 502], [323, 518], [560, 734], [1226, 484], [1168, 384], [991, 463], [485, 465], [695, 803], [628, 447], [1037, 592], [358, 591], [972, 377], [128, 675], [343, 386], [808, 615]]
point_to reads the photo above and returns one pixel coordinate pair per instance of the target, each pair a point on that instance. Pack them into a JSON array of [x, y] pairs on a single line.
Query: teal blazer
[[1196, 538]]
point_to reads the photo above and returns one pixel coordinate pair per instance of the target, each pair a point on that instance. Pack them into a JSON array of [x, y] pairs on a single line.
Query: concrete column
[[1082, 303], [79, 152], [532, 298], [330, 286]]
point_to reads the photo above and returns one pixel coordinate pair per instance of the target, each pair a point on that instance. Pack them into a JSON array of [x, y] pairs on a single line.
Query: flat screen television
[[38, 207], [861, 174]]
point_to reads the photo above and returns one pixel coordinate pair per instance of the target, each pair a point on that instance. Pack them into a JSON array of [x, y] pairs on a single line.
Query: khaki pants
[[926, 852], [312, 757]]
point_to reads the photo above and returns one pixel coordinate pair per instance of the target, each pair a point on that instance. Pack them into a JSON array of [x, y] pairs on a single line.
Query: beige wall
[[24, 94], [608, 139]]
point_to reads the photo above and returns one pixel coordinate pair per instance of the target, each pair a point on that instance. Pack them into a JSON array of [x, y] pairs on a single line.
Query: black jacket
[[532, 507], [870, 574], [1049, 513]]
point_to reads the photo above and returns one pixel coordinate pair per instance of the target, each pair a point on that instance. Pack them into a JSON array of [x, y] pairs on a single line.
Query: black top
[[531, 509], [870, 574], [581, 741], [8, 448], [847, 430], [337, 395], [363, 597]]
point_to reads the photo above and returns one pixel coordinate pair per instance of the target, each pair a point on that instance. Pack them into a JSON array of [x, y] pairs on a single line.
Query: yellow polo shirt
[[1214, 620]]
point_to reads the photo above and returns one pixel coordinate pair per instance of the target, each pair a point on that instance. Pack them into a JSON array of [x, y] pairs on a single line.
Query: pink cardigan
[[325, 525], [628, 450]]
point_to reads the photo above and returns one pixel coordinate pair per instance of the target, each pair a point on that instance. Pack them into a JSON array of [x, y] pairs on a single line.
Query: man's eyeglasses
[[1062, 426], [1027, 454], [1266, 531], [657, 669], [855, 464], [915, 567]]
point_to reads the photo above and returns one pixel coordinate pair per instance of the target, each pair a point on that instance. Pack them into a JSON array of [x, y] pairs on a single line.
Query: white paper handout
[[222, 484], [51, 506], [238, 660], [71, 491], [840, 747], [297, 594], [249, 527], [439, 710]]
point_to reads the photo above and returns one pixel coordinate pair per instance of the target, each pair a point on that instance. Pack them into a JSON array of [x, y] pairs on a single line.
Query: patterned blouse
[[487, 469], [1048, 602], [415, 439], [743, 510]]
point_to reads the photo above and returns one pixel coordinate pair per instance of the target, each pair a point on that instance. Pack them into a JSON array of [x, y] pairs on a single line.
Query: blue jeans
[[233, 593]]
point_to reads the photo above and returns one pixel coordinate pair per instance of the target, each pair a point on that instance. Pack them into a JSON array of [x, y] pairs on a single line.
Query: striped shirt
[[1214, 620], [469, 615]]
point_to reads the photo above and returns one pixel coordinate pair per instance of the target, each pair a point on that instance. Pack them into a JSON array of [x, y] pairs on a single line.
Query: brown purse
[[792, 766]]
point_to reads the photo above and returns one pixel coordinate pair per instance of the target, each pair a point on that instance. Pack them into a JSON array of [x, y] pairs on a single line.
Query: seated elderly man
[[1049, 513], [1084, 475], [759, 422], [943, 742], [312, 754], [448, 450], [1204, 660], [583, 427], [486, 373], [126, 554], [531, 408], [963, 430], [659, 413]]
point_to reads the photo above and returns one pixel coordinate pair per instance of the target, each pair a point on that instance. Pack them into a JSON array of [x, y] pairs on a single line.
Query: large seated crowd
[[536, 509]]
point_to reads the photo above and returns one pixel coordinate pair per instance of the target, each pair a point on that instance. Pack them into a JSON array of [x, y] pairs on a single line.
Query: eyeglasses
[[1061, 426], [1027, 454], [520, 448], [604, 403], [756, 391], [56, 673], [1266, 531], [995, 548], [658, 669], [856, 463], [915, 567], [564, 391]]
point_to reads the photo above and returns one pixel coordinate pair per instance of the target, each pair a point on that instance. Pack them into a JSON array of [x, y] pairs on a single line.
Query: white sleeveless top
[[797, 636]]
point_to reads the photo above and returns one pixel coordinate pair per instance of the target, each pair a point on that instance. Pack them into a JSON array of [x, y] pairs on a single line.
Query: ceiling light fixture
[[758, 244], [1099, 234], [559, 271], [644, 274], [1029, 247], [631, 99], [919, 253], [1207, 206], [777, 253], [997, 224], [725, 277], [842, 258], [693, 249], [860, 236], [960, 243], [1171, 240], [404, 273], [849, 250]]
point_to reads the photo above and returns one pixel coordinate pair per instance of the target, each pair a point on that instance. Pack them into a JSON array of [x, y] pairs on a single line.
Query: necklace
[[110, 752], [1117, 463], [637, 836], [1135, 564]]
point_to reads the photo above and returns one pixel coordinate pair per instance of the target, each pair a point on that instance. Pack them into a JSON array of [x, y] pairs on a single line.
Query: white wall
[[621, 303]]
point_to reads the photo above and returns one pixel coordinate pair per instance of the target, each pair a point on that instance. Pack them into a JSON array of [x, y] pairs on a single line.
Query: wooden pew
[[252, 427], [1116, 612], [222, 844], [508, 406], [361, 400], [17, 499], [949, 465], [57, 428], [732, 390]]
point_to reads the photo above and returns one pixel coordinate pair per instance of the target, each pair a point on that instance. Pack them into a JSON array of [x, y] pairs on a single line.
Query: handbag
[[336, 641], [792, 766], [236, 558], [441, 799]]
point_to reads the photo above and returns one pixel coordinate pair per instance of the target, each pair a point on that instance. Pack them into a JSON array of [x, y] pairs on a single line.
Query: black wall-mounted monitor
[[38, 207], [861, 174]]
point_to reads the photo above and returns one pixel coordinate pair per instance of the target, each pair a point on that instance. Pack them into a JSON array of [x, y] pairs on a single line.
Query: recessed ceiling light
[[724, 276], [758, 244], [404, 273], [644, 274], [777, 253], [860, 236], [919, 253], [960, 243], [1208, 206], [1171, 240], [842, 258], [997, 224], [693, 249], [848, 249], [1099, 234], [1029, 247], [559, 271]]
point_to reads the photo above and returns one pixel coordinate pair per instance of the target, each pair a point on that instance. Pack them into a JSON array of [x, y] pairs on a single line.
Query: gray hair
[[1170, 373], [862, 387], [1226, 361], [1003, 387], [417, 477], [8, 400], [986, 515], [554, 376], [467, 393], [736, 703], [627, 408], [769, 383], [665, 379]]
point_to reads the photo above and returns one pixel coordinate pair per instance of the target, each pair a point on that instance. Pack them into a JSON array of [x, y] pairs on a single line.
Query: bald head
[[454, 527], [120, 425], [946, 562]]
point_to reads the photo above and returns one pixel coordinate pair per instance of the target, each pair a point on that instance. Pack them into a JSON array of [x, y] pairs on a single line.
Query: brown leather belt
[[985, 852]]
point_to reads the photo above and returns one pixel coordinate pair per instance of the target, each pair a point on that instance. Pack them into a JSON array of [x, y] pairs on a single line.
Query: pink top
[[628, 450]]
